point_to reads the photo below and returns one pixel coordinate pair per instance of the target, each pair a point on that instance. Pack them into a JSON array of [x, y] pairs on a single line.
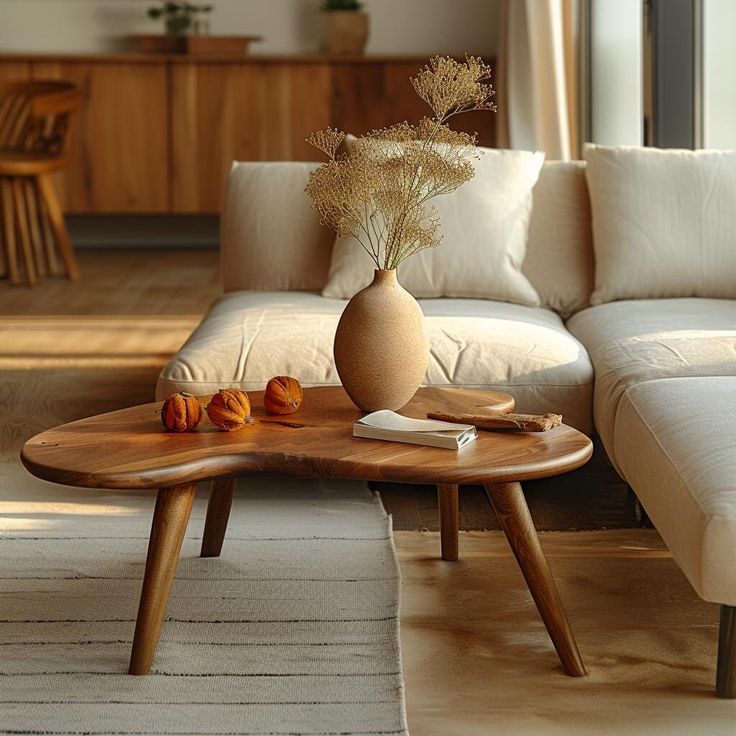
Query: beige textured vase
[[381, 345]]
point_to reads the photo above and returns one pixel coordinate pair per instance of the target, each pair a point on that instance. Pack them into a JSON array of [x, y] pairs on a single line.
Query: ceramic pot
[[381, 345], [347, 31]]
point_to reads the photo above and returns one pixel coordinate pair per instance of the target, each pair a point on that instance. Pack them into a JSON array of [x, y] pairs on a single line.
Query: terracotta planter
[[346, 31], [381, 345]]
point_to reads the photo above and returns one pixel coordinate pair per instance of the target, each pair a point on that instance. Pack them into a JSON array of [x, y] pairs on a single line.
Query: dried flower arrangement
[[379, 190]]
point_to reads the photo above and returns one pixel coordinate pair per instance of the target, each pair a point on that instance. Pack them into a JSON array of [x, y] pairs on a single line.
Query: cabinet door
[[14, 71], [119, 147], [223, 112], [374, 95]]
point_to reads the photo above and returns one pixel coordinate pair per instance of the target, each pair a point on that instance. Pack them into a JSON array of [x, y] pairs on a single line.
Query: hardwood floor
[[109, 334], [124, 282], [476, 660]]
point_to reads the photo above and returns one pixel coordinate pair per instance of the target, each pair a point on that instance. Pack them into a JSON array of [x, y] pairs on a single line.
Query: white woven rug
[[293, 630]]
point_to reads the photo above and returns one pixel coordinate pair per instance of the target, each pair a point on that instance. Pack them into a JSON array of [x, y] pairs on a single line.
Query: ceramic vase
[[347, 31], [381, 345]]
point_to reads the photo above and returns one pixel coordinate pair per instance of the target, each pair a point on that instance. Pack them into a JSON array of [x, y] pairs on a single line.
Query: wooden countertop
[[128, 57]]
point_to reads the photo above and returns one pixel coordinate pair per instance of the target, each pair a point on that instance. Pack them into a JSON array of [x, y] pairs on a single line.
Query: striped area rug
[[292, 631]]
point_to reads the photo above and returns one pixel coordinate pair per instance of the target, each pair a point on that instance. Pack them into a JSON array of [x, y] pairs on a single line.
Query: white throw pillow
[[270, 238], [559, 250], [664, 222], [484, 226]]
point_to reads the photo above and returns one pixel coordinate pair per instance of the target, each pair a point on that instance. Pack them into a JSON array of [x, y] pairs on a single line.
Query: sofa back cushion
[[559, 255], [484, 227], [270, 238], [664, 222]]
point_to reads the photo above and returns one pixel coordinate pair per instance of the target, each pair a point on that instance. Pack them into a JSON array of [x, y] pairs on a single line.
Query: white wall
[[616, 47], [719, 74], [288, 26]]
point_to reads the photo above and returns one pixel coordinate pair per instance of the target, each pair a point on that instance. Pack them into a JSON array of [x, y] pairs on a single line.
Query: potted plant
[[181, 17], [377, 192], [346, 26]]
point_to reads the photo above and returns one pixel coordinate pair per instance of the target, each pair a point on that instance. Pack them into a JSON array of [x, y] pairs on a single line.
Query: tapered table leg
[[218, 513], [448, 500], [512, 511], [170, 518]]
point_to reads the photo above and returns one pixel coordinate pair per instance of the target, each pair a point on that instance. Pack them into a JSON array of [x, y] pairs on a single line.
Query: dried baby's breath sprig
[[328, 141], [378, 192], [450, 87]]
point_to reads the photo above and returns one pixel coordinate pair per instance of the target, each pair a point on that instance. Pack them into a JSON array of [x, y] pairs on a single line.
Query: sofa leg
[[726, 674]]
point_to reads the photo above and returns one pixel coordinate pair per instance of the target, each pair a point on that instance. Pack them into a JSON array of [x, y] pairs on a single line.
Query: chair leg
[[24, 234], [34, 225], [4, 245], [47, 236], [218, 513], [56, 218], [3, 253], [11, 246], [726, 672]]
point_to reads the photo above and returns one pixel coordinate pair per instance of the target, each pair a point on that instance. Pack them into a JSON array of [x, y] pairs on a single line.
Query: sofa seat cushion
[[248, 337], [631, 342], [674, 442]]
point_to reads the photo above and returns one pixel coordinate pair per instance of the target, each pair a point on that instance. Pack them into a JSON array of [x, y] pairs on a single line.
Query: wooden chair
[[34, 127]]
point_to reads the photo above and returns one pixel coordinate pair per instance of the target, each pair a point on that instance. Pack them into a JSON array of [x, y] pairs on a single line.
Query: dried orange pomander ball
[[181, 412], [229, 409], [283, 395]]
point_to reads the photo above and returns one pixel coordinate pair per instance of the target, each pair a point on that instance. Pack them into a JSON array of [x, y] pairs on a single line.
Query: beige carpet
[[292, 632], [477, 660]]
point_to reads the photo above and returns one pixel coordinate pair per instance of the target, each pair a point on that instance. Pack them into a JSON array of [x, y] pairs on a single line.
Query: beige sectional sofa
[[655, 378]]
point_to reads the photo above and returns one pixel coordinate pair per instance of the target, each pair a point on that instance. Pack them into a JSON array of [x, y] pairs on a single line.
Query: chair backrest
[[34, 115], [271, 239]]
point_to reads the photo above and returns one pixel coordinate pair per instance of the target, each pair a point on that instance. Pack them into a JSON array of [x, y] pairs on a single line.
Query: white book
[[393, 427]]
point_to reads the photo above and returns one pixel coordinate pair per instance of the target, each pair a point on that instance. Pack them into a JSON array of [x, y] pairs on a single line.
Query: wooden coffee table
[[129, 450]]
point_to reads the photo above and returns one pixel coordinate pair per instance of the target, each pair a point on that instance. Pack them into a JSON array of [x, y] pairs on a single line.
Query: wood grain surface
[[158, 132], [512, 511], [242, 112], [510, 421], [170, 519], [218, 514], [129, 449], [448, 501]]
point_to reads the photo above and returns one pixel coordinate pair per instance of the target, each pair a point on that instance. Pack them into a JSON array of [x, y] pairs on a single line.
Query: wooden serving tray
[[199, 45]]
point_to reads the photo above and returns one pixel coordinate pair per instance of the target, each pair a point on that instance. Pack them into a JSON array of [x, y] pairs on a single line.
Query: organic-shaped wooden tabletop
[[130, 449]]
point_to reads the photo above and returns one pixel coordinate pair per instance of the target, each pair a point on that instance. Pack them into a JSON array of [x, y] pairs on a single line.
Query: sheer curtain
[[537, 77]]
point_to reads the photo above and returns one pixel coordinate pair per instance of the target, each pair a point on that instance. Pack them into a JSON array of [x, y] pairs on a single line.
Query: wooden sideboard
[[157, 133]]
